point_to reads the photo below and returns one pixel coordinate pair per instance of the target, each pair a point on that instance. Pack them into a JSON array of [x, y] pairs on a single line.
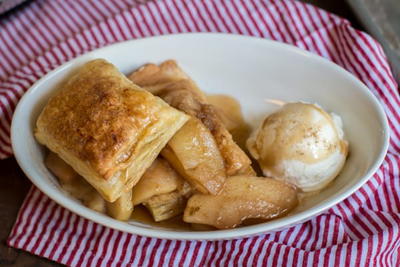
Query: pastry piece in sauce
[[106, 128], [159, 179], [121, 209], [242, 198], [194, 154], [74, 184], [165, 206], [170, 83], [301, 144]]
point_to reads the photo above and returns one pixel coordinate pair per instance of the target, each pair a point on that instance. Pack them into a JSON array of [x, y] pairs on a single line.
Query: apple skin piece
[[242, 198], [159, 179], [122, 208], [194, 154]]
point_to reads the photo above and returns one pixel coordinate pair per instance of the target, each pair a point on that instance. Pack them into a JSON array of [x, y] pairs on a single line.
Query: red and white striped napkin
[[363, 230]]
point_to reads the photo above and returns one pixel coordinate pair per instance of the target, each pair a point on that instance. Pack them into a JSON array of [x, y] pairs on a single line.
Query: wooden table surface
[[14, 185]]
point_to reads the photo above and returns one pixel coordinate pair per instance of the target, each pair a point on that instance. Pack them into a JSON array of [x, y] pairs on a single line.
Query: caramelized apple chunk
[[159, 179], [122, 208], [242, 198], [194, 154]]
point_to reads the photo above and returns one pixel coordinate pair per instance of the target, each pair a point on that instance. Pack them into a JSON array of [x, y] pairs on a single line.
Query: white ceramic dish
[[251, 70]]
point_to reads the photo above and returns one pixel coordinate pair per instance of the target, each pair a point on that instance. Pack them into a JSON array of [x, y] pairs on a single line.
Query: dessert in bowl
[[332, 89]]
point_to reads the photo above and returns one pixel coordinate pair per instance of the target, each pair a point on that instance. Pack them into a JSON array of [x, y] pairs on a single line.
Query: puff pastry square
[[107, 128]]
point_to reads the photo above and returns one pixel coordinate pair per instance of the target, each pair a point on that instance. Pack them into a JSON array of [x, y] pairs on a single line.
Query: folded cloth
[[362, 230]]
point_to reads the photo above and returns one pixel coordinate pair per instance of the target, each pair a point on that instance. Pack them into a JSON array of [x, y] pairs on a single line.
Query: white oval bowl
[[249, 69]]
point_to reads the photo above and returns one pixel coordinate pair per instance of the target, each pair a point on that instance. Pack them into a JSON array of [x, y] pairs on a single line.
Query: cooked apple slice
[[241, 198], [236, 160], [74, 184], [122, 208], [169, 82], [194, 154], [160, 178]]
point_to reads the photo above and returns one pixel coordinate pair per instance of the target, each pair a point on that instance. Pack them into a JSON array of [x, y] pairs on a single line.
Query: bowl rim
[[245, 231]]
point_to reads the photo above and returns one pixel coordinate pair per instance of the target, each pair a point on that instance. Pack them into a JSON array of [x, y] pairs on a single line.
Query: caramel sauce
[[230, 113]]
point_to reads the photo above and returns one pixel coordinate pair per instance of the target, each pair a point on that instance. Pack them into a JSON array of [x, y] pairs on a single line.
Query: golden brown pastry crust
[[106, 127], [96, 114], [170, 83], [155, 78]]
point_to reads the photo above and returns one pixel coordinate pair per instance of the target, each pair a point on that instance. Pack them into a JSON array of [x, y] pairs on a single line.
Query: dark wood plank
[[14, 185]]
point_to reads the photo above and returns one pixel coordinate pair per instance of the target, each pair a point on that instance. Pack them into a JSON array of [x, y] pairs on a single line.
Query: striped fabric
[[363, 230]]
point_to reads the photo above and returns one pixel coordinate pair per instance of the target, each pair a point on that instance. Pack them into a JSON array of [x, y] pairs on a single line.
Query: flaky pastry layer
[[107, 128]]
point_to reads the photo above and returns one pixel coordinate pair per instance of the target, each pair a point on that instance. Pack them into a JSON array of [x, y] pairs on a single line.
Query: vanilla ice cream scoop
[[301, 144]]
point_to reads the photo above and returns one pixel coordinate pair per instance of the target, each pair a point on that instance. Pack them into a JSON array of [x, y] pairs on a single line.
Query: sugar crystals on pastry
[[106, 128]]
